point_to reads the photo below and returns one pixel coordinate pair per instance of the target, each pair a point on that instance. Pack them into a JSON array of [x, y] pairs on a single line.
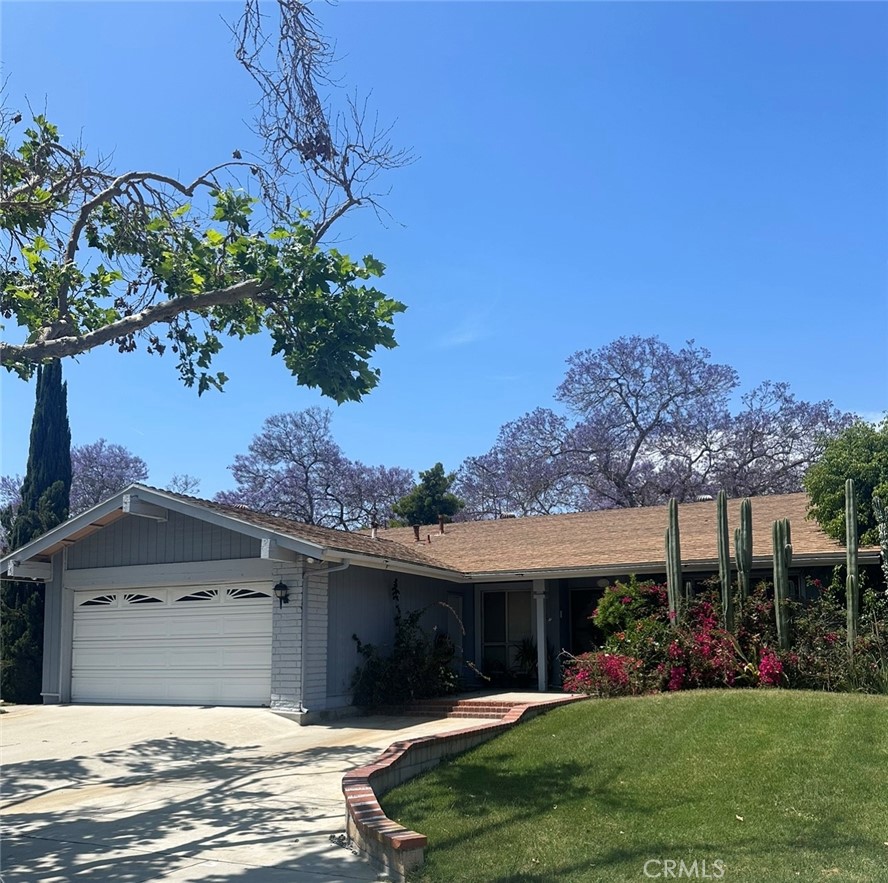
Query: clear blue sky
[[713, 171]]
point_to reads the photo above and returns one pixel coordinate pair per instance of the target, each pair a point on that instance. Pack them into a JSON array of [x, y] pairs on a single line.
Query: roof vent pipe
[[416, 532], [440, 524]]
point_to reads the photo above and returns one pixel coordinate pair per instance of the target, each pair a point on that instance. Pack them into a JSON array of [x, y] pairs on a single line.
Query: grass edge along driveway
[[775, 785]]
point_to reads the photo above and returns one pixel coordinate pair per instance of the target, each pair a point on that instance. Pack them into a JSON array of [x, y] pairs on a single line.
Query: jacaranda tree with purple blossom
[[525, 473], [98, 470], [648, 423], [773, 441], [295, 469], [642, 408], [101, 469]]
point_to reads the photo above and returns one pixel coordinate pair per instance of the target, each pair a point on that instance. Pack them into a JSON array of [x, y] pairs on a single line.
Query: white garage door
[[209, 645]]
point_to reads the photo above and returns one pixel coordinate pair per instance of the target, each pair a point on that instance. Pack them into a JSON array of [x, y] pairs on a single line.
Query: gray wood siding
[[315, 611], [360, 603], [133, 540], [286, 641]]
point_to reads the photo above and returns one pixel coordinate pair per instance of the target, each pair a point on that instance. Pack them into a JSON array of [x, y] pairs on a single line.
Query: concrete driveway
[[218, 795]]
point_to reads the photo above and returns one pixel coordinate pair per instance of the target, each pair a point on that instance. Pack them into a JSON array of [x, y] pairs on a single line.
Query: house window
[[506, 622]]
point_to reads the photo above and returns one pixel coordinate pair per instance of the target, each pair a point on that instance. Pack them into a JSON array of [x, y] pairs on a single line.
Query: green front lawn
[[775, 785]]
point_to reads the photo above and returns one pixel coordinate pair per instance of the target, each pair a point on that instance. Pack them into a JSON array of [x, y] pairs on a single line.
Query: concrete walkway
[[127, 794]]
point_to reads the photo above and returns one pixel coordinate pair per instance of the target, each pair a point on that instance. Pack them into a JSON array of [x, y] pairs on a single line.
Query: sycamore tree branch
[[165, 311], [76, 171], [115, 189], [322, 228], [87, 249]]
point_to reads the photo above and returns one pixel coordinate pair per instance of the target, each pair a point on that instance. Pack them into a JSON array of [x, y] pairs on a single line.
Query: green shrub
[[624, 604], [821, 658], [418, 667], [644, 652], [755, 623]]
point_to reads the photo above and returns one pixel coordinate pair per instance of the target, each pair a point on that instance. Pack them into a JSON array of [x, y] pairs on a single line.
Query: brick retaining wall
[[386, 843]]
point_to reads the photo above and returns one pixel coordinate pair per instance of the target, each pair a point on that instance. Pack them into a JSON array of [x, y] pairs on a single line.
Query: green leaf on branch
[[147, 267]]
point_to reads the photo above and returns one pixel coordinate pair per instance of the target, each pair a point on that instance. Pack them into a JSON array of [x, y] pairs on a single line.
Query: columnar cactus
[[673, 561], [743, 548], [852, 582], [782, 537], [724, 560]]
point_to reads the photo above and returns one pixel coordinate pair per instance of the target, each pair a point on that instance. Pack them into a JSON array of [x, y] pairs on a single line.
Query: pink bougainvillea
[[770, 669], [676, 678], [603, 674]]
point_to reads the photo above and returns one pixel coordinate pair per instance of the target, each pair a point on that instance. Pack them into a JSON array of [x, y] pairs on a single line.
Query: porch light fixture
[[282, 593]]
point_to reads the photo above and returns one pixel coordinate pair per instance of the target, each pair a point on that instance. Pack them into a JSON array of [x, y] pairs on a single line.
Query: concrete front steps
[[457, 708]]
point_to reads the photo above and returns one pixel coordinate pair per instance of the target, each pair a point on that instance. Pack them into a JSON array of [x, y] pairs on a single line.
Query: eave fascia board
[[135, 504], [761, 562], [502, 576], [273, 550], [62, 531], [35, 570], [825, 559], [394, 565]]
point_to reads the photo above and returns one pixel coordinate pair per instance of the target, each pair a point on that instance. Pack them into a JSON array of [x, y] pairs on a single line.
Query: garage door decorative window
[[141, 599], [201, 595], [100, 601], [245, 594]]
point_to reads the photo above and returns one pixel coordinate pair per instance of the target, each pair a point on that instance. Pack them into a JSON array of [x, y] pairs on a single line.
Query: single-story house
[[156, 597]]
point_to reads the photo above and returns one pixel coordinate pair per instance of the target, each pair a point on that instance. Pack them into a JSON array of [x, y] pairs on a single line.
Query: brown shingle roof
[[339, 540], [612, 542], [616, 539]]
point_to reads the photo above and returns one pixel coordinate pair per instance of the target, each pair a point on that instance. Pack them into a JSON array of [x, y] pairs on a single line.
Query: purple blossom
[[295, 469], [101, 469]]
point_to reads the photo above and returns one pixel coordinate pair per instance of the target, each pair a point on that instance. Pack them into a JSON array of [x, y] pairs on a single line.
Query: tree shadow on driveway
[[181, 810]]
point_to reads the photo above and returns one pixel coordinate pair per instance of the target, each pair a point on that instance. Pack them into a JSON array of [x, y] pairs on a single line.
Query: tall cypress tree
[[45, 498]]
